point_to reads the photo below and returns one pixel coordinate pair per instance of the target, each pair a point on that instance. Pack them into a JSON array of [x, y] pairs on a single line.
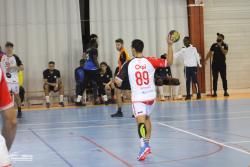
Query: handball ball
[[175, 35]]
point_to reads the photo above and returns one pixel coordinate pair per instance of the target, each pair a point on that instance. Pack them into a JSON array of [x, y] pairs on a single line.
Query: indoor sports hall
[[67, 69]]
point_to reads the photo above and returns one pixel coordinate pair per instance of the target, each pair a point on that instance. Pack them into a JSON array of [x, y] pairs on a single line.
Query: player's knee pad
[[4, 154], [142, 130]]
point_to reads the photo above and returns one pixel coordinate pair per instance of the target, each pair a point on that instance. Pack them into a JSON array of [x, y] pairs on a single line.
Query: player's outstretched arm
[[170, 50]]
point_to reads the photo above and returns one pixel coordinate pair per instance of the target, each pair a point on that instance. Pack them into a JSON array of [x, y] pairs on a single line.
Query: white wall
[[148, 20], [43, 30], [232, 18]]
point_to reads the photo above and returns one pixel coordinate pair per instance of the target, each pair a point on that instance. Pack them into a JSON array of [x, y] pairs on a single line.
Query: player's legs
[[149, 127], [9, 126], [188, 82], [215, 72], [223, 74], [118, 93], [195, 81], [4, 154], [79, 93], [47, 90], [140, 112], [14, 89], [61, 93]]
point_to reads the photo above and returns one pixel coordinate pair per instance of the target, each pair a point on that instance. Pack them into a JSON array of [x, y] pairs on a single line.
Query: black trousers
[[191, 75], [80, 89], [92, 77], [222, 69]]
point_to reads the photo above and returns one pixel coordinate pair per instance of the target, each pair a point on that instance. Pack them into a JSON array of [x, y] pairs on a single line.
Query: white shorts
[[143, 108], [13, 88]]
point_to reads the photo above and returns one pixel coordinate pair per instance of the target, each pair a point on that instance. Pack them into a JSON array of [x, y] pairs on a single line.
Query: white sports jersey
[[140, 72], [11, 74]]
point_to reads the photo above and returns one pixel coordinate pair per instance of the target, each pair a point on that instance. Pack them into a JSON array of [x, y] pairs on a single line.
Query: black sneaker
[[198, 96], [48, 105], [133, 116], [106, 103], [117, 114], [226, 94], [214, 95], [188, 98], [61, 104], [19, 114], [80, 104]]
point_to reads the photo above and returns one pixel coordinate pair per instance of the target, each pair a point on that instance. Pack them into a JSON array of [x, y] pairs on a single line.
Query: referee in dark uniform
[[219, 51]]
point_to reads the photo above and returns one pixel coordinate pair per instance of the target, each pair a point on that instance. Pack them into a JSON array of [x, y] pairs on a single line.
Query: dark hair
[[119, 40], [93, 43], [164, 56], [138, 45], [186, 38], [93, 36], [52, 62], [221, 35], [9, 44], [108, 68], [82, 61]]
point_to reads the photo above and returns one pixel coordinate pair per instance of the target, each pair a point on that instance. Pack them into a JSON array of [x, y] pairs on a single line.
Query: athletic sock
[[47, 99], [61, 98], [105, 98], [79, 98]]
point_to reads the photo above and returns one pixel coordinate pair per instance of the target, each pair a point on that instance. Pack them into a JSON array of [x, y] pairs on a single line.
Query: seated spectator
[[79, 78], [163, 76], [106, 83], [52, 82]]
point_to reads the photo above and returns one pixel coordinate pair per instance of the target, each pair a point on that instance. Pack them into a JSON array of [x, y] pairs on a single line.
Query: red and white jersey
[[140, 73], [11, 74], [5, 97]]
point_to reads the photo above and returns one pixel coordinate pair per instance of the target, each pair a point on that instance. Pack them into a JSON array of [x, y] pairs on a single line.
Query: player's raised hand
[[170, 40]]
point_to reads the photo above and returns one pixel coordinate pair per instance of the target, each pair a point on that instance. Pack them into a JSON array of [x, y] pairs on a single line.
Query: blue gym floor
[[211, 133]]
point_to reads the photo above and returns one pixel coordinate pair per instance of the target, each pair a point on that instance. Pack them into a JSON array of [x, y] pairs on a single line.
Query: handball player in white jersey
[[11, 65], [140, 73], [8, 122]]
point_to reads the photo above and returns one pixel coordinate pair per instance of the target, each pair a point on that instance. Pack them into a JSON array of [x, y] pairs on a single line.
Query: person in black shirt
[[219, 51], [106, 82], [79, 78], [52, 82]]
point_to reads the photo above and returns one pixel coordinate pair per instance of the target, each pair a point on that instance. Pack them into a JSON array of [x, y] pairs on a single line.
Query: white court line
[[178, 115], [77, 127], [209, 119], [236, 142], [205, 138]]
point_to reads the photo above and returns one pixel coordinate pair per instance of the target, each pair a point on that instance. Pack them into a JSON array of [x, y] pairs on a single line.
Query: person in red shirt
[[9, 122]]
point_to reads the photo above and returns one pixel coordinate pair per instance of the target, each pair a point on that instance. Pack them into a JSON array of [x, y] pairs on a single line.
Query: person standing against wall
[[219, 51]]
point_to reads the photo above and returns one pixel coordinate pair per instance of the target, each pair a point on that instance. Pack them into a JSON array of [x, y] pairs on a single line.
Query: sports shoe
[[188, 97], [61, 104], [198, 96], [144, 152], [214, 95], [117, 114], [19, 113], [226, 94], [48, 105]]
